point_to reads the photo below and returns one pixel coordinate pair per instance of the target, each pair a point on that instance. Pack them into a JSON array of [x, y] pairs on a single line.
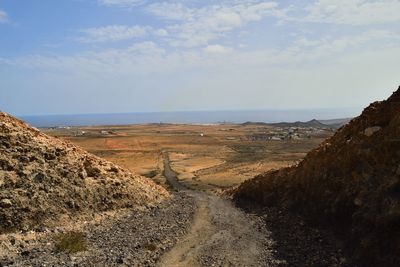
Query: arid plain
[[206, 157]]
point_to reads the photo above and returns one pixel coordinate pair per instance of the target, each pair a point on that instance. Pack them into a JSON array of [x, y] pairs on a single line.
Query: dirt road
[[220, 235]]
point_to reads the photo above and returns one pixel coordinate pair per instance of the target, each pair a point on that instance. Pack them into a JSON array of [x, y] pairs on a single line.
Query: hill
[[42, 178], [336, 123], [312, 123], [351, 183]]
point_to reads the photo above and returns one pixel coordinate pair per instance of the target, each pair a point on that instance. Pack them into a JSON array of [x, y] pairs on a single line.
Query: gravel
[[137, 239], [296, 243]]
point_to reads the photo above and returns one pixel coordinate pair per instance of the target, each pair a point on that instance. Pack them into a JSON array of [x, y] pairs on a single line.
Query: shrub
[[71, 242]]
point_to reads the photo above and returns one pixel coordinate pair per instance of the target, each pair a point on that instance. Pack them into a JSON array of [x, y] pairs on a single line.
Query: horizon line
[[186, 111]]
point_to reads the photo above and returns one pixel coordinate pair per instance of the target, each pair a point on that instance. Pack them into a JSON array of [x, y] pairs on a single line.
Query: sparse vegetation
[[151, 174], [248, 152], [71, 242], [150, 246]]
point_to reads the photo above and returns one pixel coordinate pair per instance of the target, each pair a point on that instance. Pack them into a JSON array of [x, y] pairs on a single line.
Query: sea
[[190, 117]]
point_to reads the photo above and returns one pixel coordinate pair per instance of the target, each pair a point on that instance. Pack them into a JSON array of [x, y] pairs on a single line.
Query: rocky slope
[[138, 238], [43, 178], [351, 182]]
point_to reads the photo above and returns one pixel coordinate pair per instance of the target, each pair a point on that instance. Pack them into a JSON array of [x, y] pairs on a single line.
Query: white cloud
[[217, 49], [354, 12], [197, 26], [138, 58], [148, 57], [171, 11], [3, 16], [122, 3], [161, 32], [112, 33], [329, 45]]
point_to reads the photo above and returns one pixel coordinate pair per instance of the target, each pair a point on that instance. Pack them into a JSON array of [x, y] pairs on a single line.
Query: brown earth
[[350, 183], [43, 178], [221, 158]]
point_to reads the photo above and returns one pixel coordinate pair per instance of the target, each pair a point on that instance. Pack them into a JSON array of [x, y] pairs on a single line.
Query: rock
[[12, 240], [398, 170], [39, 178], [362, 205], [371, 130], [357, 202], [6, 203], [25, 253]]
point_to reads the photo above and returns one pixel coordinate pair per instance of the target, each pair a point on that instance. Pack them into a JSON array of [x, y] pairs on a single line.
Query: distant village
[[287, 133], [78, 132], [280, 133]]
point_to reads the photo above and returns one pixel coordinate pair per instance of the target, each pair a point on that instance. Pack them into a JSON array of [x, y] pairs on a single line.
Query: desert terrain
[[206, 157], [63, 206]]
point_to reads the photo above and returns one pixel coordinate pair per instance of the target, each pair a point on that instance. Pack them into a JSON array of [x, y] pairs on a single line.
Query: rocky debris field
[[350, 183], [43, 178], [295, 242], [138, 238]]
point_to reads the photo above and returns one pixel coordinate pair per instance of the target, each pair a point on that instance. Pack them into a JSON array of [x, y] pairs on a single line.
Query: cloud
[[330, 45], [160, 32], [112, 33], [3, 16], [217, 49], [198, 25], [149, 57], [138, 58], [203, 51], [171, 11], [122, 3], [354, 12]]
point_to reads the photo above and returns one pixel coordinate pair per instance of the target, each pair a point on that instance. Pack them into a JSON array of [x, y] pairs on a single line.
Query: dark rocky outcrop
[[351, 183]]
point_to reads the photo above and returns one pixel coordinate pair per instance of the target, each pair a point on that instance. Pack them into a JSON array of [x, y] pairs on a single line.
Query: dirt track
[[220, 235]]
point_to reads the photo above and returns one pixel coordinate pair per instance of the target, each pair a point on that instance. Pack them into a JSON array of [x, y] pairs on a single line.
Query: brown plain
[[206, 157]]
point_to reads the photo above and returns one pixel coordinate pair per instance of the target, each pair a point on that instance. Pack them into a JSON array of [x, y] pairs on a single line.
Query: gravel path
[[222, 235]]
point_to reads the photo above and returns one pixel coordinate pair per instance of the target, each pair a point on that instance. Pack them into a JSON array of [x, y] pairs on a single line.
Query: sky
[[114, 56]]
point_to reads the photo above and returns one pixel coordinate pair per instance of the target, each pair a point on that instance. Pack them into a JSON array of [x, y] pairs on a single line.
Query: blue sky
[[106, 56]]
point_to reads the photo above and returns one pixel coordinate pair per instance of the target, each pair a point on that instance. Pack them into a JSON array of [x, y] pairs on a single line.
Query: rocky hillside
[[351, 182], [42, 177]]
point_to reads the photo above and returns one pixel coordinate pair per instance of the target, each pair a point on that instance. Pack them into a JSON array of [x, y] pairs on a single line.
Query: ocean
[[190, 117]]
